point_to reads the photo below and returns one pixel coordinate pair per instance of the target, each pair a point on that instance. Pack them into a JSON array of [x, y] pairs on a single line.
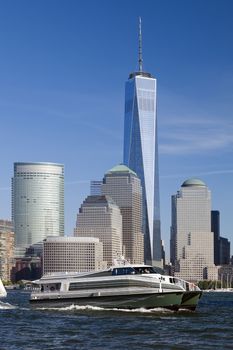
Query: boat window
[[58, 286], [144, 270], [123, 271], [52, 287]]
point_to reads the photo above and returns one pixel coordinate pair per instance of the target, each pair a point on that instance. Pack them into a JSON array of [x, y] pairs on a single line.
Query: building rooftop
[[193, 182], [70, 239], [120, 168], [142, 74], [98, 200]]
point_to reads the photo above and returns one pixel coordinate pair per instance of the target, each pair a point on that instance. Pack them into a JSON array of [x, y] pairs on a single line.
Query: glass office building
[[141, 154], [37, 203], [141, 151]]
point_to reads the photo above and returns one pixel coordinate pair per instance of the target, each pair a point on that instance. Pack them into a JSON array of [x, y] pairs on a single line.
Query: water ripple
[[81, 328]]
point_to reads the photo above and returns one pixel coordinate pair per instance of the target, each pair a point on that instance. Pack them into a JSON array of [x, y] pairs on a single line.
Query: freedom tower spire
[[140, 60], [141, 150]]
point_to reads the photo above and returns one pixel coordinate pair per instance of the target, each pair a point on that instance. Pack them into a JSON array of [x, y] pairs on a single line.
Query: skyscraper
[[215, 228], [192, 242], [221, 244], [37, 203], [124, 187], [100, 217], [141, 151], [224, 251]]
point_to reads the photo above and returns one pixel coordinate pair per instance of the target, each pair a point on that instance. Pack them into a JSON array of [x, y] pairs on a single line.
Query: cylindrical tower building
[[37, 203]]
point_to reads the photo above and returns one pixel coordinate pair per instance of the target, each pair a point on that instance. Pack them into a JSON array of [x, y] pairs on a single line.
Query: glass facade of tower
[[141, 154], [37, 202]]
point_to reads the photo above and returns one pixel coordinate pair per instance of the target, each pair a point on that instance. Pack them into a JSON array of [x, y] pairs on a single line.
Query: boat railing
[[180, 283], [188, 286]]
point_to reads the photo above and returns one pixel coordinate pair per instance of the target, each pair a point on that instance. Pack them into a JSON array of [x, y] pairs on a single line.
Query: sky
[[63, 68]]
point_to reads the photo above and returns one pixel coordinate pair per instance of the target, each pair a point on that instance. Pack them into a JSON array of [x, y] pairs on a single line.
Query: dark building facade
[[224, 251], [221, 244], [215, 228]]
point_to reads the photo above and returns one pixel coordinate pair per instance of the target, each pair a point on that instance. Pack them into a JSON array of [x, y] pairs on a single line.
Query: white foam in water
[[6, 306], [71, 308], [96, 308], [143, 310]]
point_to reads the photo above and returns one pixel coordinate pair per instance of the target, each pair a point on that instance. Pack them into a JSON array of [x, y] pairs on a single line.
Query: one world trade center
[[141, 151]]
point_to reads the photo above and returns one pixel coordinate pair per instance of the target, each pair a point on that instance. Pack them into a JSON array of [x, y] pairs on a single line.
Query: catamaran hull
[[170, 301], [190, 300]]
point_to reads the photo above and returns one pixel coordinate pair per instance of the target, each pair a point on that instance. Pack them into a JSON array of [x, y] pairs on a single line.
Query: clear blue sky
[[63, 66]]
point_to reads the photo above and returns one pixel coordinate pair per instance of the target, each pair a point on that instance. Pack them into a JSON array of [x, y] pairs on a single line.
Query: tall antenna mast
[[140, 45]]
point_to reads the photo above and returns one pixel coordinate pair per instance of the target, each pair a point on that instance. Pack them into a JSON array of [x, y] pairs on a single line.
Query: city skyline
[[62, 93]]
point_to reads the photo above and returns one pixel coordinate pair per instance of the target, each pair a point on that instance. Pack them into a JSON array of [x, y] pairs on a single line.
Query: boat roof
[[56, 277]]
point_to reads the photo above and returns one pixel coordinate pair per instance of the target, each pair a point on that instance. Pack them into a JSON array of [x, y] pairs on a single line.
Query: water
[[71, 328]]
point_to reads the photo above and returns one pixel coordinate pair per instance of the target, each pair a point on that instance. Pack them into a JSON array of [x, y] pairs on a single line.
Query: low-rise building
[[6, 249], [72, 254]]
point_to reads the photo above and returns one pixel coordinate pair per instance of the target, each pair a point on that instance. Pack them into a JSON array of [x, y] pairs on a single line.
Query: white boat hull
[[3, 292]]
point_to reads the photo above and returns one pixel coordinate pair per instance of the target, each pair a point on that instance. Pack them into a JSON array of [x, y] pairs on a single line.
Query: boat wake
[[6, 306], [96, 308]]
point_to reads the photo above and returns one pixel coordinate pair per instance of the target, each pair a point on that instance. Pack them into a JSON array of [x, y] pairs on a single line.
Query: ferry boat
[[3, 292], [122, 287]]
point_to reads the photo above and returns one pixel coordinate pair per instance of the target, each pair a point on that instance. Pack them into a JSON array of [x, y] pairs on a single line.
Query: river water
[[71, 328]]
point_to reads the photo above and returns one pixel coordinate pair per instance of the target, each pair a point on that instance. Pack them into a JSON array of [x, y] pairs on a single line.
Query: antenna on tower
[[140, 45]]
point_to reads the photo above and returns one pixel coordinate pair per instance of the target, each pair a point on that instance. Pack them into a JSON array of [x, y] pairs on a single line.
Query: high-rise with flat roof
[[141, 151], [124, 187], [100, 217], [221, 244], [37, 203], [224, 251], [192, 242], [215, 228]]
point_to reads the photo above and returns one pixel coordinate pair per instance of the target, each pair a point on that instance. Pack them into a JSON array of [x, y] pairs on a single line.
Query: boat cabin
[[129, 270]]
